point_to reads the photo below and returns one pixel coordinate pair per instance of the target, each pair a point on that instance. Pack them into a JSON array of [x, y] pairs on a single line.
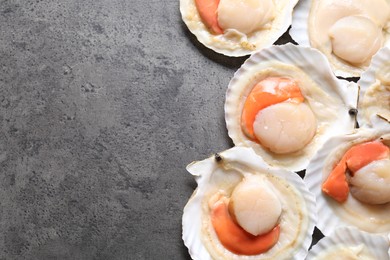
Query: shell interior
[[329, 98], [212, 176], [370, 218], [300, 32], [244, 44]]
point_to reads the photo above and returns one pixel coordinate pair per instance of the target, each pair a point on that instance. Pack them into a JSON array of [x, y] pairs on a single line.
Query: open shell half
[[221, 173], [232, 42], [329, 98], [340, 30], [367, 217]]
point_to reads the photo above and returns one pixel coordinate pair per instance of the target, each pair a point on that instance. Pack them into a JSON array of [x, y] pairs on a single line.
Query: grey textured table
[[102, 105]]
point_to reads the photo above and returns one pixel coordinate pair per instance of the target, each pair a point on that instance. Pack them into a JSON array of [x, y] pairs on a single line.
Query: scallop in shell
[[374, 95], [350, 243], [285, 102], [282, 203], [350, 176], [348, 32], [237, 28]]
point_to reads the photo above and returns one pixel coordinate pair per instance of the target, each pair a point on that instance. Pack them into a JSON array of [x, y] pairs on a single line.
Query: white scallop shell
[[352, 212], [244, 159], [313, 65], [375, 246], [299, 30], [234, 48], [300, 33], [379, 63]]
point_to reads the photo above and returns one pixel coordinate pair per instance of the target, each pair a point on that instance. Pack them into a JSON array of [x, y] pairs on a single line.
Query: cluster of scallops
[[287, 112]]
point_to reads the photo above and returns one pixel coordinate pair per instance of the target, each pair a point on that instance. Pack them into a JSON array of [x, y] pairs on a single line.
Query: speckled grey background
[[102, 105]]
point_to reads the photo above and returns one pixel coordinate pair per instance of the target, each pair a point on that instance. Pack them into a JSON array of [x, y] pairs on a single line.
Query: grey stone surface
[[102, 105]]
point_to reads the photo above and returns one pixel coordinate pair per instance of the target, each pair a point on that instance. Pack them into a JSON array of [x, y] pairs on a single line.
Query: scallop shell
[[352, 212], [375, 246], [245, 45], [311, 65], [299, 30], [236, 161], [372, 82], [300, 33]]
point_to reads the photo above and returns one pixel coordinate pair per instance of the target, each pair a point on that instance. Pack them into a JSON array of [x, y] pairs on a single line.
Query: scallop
[[348, 32], [374, 95], [349, 176], [371, 183], [350, 243], [284, 102], [245, 209], [237, 28]]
